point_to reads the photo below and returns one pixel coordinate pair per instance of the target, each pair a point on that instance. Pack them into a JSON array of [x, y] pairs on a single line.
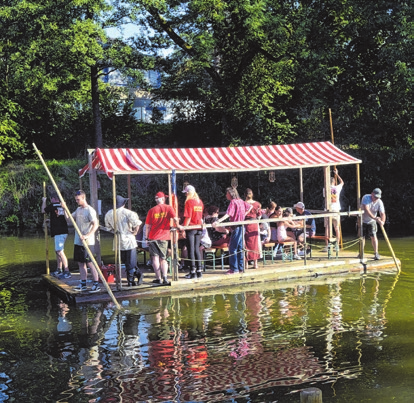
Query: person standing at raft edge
[[193, 215], [237, 211], [252, 234], [87, 221], [371, 205], [157, 234], [335, 207], [59, 231], [127, 223]]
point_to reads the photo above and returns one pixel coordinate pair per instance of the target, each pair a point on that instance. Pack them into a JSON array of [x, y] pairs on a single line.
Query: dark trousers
[[129, 259], [193, 244]]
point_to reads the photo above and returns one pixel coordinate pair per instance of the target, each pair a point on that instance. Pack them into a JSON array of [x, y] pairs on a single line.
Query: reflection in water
[[244, 346], [220, 347]]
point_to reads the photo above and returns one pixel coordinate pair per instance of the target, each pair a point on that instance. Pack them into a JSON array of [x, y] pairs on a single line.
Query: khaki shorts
[[158, 248], [336, 219]]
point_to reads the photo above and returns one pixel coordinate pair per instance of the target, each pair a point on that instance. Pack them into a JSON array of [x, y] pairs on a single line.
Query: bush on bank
[[21, 191]]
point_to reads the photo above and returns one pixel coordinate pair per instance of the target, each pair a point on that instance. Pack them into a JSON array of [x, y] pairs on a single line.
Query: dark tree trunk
[[95, 108]]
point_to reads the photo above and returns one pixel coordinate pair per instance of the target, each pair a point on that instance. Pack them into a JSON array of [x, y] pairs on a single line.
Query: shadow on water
[[349, 336]]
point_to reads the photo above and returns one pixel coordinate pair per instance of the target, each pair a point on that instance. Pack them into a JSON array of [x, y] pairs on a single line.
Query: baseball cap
[[377, 193], [299, 204], [189, 188], [159, 195], [120, 201]]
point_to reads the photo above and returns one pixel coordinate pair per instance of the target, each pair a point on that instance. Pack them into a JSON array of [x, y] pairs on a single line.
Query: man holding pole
[[59, 231], [335, 204], [371, 205], [87, 221]]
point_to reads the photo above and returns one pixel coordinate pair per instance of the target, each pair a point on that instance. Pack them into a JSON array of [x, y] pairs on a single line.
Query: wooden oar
[[46, 234], [85, 245], [390, 247], [332, 138]]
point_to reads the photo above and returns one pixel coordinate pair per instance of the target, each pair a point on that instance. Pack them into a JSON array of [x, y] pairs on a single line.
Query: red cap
[[159, 195]]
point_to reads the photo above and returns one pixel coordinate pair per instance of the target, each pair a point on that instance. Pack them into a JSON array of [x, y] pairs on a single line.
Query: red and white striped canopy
[[223, 159]]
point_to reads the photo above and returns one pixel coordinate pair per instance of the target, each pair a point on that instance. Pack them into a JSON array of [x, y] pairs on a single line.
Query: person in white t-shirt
[[371, 205], [335, 207]]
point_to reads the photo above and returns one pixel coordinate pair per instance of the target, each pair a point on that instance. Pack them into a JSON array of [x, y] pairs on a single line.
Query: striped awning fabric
[[217, 159]]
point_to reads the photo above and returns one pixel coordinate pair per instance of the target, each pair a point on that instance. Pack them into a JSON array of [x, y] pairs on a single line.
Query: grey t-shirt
[[84, 218], [375, 207]]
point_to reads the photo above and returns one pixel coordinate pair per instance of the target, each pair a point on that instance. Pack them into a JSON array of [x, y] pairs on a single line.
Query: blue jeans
[[236, 258]]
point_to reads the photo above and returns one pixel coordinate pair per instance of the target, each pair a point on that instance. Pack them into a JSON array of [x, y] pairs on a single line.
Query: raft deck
[[317, 267]]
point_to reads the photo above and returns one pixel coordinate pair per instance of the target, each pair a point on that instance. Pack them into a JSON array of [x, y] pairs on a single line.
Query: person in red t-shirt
[[157, 233], [193, 215]]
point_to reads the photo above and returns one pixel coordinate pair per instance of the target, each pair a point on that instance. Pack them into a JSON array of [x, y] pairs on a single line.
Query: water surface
[[351, 336]]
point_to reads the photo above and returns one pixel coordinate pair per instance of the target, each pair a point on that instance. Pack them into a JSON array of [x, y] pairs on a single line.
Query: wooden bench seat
[[211, 254], [270, 248]]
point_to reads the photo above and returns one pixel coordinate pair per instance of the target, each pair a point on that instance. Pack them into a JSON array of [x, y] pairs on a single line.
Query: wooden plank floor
[[317, 267]]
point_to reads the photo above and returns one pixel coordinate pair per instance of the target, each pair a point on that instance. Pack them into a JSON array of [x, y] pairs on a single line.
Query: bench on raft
[[271, 249], [210, 255]]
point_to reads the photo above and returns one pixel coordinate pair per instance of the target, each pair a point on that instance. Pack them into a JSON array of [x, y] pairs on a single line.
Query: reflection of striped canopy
[[191, 375], [225, 159]]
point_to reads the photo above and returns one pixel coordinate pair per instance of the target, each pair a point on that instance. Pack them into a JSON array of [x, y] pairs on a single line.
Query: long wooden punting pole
[[332, 138], [85, 245], [46, 234], [390, 247]]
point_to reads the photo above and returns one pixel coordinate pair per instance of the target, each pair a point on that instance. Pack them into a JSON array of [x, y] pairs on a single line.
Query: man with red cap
[[157, 234]]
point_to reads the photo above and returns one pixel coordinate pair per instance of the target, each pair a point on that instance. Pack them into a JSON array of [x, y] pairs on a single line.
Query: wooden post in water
[[311, 395]]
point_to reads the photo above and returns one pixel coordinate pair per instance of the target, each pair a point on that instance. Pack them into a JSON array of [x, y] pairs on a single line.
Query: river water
[[352, 337]]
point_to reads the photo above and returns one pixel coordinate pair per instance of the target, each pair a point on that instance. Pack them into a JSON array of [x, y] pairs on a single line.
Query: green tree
[[229, 65], [53, 55]]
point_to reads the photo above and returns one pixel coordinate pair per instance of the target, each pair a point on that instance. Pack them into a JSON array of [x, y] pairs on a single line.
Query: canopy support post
[[93, 186], [361, 242], [129, 192], [327, 187], [118, 276], [174, 238], [301, 184]]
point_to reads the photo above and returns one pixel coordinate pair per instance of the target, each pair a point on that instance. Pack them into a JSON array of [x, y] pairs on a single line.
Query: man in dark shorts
[[59, 231], [157, 233], [371, 205], [87, 222]]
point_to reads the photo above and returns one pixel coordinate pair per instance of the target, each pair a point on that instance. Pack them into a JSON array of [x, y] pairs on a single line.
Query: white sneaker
[[80, 288], [297, 257], [95, 288]]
